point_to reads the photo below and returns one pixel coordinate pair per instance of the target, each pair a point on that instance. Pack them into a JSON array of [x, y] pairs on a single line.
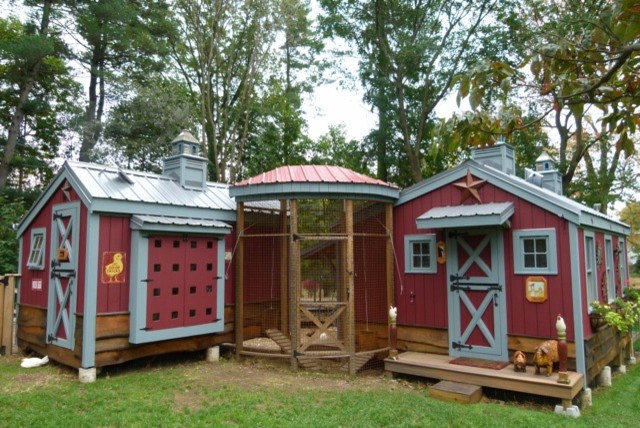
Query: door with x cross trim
[[476, 294], [64, 274]]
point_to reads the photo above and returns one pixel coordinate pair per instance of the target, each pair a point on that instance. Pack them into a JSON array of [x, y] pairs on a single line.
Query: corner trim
[[90, 292], [576, 293]]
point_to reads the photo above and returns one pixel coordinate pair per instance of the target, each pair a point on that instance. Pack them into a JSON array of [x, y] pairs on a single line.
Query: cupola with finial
[[551, 177], [186, 165]]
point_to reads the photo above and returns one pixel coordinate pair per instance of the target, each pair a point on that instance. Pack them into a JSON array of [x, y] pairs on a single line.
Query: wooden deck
[[437, 367]]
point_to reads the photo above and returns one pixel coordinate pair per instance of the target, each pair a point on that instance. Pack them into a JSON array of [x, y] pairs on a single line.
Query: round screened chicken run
[[314, 279]]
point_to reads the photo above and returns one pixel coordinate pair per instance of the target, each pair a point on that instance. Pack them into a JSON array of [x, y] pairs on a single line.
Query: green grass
[[193, 393]]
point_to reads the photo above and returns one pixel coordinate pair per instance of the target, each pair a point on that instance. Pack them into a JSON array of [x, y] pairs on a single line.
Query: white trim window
[[36, 251], [610, 276], [622, 263], [420, 253], [590, 268], [535, 252]]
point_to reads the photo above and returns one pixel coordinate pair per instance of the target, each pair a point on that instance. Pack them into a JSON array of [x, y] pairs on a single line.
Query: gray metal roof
[[491, 214], [105, 182], [544, 198]]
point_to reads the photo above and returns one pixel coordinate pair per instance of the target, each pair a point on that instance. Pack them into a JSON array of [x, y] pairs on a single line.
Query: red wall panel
[[38, 298], [115, 236]]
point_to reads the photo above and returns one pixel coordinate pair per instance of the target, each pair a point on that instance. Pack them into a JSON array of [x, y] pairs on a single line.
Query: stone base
[[632, 360], [622, 369], [604, 377], [87, 375], [585, 399], [571, 411], [213, 354]]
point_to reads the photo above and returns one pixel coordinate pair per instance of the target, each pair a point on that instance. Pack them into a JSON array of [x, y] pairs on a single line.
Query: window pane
[[417, 261], [426, 261], [424, 247], [541, 245], [528, 245], [529, 261], [541, 260], [416, 247]]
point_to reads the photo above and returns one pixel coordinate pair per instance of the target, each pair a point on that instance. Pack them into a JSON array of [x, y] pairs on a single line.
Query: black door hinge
[[458, 345]]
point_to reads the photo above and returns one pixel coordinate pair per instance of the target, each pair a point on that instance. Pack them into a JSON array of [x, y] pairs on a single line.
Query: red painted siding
[[422, 298], [38, 298], [230, 271], [115, 236]]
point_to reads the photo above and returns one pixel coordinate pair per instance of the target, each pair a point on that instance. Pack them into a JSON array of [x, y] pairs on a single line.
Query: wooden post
[[284, 295], [294, 281], [239, 309], [7, 298], [351, 340], [388, 223]]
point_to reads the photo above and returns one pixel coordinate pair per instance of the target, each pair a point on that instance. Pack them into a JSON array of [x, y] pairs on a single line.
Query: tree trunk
[[19, 113]]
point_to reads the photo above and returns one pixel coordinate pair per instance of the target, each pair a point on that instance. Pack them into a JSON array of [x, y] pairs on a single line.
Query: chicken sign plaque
[[113, 267]]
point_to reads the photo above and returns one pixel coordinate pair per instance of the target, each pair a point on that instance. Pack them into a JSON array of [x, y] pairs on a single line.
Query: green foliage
[[622, 315], [140, 129], [13, 206], [630, 214], [333, 149]]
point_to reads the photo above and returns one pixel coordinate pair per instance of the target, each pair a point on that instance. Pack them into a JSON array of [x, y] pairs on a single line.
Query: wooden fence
[[8, 294]]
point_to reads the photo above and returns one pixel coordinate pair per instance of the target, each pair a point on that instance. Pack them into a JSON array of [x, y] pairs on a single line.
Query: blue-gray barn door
[[476, 294], [64, 274]]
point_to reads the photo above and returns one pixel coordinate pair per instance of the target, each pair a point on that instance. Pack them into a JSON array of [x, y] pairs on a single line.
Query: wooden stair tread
[[456, 391], [285, 345]]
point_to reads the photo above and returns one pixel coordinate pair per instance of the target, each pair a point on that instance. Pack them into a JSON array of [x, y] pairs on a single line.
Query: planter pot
[[597, 322]]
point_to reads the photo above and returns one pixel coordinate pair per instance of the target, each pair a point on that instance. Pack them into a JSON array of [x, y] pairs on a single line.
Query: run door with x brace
[[476, 294], [64, 274]]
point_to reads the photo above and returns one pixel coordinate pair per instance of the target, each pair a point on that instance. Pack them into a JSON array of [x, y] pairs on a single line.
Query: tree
[[630, 214], [223, 53], [24, 49], [333, 149], [37, 100], [140, 129], [580, 61], [116, 37], [410, 53]]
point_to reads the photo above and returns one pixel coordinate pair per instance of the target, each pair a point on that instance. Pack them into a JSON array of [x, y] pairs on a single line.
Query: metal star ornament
[[470, 188]]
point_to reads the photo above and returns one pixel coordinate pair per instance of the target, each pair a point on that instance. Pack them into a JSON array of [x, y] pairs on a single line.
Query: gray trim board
[[43, 232], [594, 267], [608, 266], [19, 270], [272, 191], [129, 207], [623, 263], [90, 292], [177, 228], [518, 251], [576, 293], [408, 253]]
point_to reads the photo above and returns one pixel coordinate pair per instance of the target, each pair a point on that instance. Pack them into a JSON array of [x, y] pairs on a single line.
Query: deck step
[[454, 391], [285, 345], [359, 361]]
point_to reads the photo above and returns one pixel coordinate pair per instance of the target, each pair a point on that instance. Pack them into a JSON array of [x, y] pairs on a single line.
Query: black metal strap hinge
[[458, 345], [145, 328], [51, 338], [146, 280]]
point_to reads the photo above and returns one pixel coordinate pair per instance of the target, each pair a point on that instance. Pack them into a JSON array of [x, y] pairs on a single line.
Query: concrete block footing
[[87, 375], [213, 354]]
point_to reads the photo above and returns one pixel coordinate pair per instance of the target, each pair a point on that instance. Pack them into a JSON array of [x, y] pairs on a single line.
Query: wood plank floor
[[438, 367]]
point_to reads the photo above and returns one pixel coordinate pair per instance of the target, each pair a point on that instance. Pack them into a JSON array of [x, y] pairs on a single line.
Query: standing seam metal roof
[[312, 174]]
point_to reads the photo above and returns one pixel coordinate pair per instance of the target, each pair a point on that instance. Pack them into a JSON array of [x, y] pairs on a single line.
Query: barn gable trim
[[548, 200]]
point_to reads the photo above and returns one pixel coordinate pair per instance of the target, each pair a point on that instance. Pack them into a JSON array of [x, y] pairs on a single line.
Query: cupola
[[186, 165]]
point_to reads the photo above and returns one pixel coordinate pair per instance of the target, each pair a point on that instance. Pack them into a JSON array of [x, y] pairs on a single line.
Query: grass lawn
[[184, 390]]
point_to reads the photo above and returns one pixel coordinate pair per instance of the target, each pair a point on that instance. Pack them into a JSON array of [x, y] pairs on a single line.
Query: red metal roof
[[312, 174]]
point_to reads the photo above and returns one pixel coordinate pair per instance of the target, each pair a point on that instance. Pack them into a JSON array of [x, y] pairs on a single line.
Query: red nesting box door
[[201, 278], [182, 279]]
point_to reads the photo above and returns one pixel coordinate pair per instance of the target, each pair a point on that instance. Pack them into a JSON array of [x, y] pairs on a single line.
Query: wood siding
[[422, 298], [115, 235], [38, 298]]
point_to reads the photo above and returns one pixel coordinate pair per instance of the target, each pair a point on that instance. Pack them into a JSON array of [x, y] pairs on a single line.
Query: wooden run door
[[182, 274], [476, 294], [63, 274]]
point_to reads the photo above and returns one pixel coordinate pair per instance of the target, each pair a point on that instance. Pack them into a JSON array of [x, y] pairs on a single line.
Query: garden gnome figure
[[393, 332], [561, 327]]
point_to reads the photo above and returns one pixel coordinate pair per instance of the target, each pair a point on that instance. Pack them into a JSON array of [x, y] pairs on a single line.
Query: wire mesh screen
[[265, 278], [370, 282], [319, 306]]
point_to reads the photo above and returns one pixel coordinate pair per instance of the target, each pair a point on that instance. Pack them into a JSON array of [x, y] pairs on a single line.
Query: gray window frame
[[622, 263], [409, 240], [518, 251], [37, 231], [590, 269], [608, 268]]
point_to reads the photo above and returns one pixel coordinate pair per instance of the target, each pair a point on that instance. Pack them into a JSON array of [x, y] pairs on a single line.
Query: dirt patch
[[189, 399], [25, 382]]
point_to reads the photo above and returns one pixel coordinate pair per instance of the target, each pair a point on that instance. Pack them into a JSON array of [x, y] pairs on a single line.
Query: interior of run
[[314, 282]]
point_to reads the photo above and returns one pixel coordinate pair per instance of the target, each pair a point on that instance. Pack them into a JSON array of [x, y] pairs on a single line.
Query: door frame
[[52, 298], [498, 254]]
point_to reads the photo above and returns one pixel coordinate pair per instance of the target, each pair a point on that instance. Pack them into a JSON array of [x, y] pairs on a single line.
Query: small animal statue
[[519, 361], [546, 354]]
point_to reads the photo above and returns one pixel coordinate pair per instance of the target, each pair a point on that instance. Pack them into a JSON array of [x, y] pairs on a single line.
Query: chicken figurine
[[115, 268]]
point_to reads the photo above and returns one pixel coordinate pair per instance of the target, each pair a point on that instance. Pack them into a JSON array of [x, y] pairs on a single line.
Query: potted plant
[[622, 315], [597, 315]]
